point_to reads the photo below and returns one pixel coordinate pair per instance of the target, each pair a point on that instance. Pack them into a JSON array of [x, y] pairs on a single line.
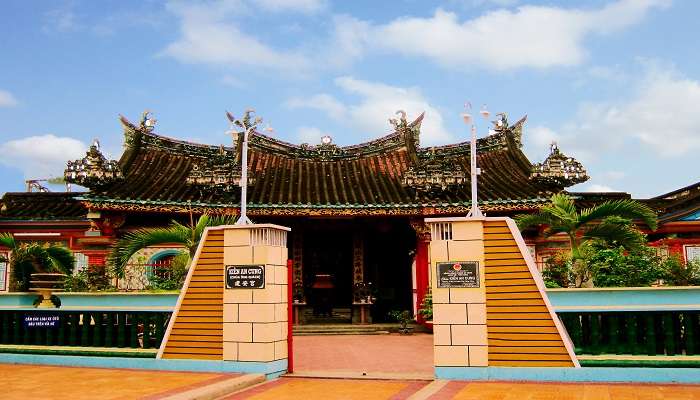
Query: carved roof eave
[[502, 139], [136, 138], [500, 206]]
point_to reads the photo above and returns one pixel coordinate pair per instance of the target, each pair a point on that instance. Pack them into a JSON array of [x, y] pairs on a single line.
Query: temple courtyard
[[30, 382]]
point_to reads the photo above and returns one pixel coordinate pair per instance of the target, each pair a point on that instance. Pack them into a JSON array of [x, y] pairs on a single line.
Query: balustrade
[[125, 329]]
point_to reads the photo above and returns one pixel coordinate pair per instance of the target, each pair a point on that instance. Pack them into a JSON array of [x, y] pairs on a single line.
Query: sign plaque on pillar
[[458, 274], [245, 277]]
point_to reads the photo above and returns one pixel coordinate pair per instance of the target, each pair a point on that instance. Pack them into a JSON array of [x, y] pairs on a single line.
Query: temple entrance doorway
[[355, 270], [350, 266], [328, 275], [388, 256]]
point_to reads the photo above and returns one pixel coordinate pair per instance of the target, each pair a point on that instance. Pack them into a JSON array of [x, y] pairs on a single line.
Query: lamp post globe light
[[474, 212]]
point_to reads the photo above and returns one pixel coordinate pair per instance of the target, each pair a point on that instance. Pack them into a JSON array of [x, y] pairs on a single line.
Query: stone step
[[344, 329]]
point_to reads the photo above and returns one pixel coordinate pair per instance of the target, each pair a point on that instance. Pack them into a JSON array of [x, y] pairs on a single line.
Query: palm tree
[[187, 236], [609, 221], [28, 258]]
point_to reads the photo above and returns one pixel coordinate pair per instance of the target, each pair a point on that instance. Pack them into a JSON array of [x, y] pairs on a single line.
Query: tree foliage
[[187, 236], [610, 222], [616, 267], [29, 258], [678, 273]]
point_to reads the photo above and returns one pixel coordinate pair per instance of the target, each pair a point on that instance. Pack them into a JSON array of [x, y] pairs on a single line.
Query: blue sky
[[616, 83]]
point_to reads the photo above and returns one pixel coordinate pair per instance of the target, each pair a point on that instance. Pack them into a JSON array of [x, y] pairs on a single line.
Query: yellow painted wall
[[520, 328], [197, 332]]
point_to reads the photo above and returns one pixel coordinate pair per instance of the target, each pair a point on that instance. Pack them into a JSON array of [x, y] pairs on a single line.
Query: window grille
[[441, 231], [81, 263], [268, 237]]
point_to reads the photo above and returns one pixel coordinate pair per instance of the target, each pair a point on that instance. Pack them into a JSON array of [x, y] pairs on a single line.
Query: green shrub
[[93, 278], [678, 273], [614, 267], [175, 277], [558, 273], [426, 306]]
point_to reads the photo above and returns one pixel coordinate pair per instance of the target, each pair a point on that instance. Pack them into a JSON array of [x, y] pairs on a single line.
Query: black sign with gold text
[[245, 277], [458, 274]]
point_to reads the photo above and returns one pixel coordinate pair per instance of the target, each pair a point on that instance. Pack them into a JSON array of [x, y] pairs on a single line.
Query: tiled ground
[[564, 391], [411, 354], [24, 382], [337, 389], [330, 389]]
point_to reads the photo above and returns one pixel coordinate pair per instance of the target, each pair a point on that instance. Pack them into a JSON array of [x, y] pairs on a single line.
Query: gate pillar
[[490, 306], [234, 304]]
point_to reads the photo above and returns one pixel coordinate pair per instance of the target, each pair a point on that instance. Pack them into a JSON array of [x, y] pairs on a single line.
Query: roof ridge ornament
[[558, 170], [93, 170], [430, 174]]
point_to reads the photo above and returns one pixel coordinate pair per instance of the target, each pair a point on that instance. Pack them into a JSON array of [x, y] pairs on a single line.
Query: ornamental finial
[[558, 170]]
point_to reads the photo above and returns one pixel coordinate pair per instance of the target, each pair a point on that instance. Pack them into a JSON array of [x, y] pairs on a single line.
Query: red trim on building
[[422, 269]]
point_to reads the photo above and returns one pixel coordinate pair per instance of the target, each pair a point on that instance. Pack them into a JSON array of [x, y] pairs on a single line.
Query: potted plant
[[403, 318]]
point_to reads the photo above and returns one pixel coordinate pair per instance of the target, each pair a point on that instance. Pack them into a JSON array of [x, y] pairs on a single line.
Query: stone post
[[459, 294], [255, 319]]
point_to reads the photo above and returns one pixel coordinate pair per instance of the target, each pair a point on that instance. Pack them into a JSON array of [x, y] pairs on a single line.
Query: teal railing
[[135, 329], [650, 333], [631, 321]]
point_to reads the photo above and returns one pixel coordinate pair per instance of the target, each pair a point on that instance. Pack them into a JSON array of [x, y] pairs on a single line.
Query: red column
[[421, 271], [290, 317]]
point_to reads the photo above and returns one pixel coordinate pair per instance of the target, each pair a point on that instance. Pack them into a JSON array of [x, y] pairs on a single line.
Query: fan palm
[[187, 236], [28, 258], [609, 221]]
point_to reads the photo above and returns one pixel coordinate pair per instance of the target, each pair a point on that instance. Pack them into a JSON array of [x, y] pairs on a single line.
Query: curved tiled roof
[[369, 175], [42, 206]]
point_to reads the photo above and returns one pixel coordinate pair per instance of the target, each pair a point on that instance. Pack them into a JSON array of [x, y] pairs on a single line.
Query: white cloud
[[348, 42], [304, 6], [502, 39], [322, 102], [41, 156], [377, 103], [530, 36], [310, 135], [380, 102], [597, 188], [208, 36], [7, 99], [661, 114]]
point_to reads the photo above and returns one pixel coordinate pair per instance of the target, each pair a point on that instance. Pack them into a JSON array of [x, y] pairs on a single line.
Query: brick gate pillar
[[234, 304]]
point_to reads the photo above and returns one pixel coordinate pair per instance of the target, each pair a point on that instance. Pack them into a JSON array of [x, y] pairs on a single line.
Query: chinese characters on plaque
[[245, 277]]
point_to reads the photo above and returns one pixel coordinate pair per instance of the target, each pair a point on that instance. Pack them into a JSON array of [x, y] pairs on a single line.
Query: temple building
[[356, 212]]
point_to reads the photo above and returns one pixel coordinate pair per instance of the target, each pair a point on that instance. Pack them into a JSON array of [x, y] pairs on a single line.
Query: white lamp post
[[475, 212], [245, 127]]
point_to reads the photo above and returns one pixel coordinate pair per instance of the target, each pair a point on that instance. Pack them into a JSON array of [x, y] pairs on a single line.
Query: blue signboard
[[41, 321]]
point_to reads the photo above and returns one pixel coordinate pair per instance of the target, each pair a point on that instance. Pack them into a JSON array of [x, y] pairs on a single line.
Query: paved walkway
[[408, 355], [50, 382], [342, 389], [330, 389], [23, 382]]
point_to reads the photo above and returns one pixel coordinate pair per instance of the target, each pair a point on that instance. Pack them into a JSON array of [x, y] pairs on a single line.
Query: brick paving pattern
[[342, 389], [372, 353], [330, 389], [564, 391], [22, 382]]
